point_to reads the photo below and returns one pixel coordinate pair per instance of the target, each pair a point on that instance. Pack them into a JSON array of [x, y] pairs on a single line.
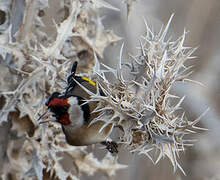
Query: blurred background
[[201, 18]]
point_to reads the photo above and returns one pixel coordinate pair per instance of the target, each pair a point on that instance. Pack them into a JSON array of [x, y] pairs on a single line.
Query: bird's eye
[[54, 95]]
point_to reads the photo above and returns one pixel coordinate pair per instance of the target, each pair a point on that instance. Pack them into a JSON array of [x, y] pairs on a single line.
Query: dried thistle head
[[138, 99]]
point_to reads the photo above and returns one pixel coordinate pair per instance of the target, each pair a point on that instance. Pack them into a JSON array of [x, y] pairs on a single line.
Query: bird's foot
[[111, 146]]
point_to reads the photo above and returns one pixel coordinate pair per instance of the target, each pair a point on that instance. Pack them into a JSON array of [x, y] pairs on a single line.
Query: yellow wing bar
[[88, 80]]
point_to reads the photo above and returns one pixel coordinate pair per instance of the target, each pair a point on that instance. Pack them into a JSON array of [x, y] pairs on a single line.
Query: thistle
[[138, 99], [36, 61]]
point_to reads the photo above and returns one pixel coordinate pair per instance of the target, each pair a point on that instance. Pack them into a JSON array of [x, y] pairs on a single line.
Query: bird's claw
[[111, 146]]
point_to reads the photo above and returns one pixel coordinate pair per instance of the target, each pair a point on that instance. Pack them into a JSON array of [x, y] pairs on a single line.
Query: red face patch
[[58, 102], [59, 107], [64, 119]]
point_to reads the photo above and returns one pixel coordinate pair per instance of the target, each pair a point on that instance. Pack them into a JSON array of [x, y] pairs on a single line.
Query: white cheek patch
[[72, 100], [75, 112]]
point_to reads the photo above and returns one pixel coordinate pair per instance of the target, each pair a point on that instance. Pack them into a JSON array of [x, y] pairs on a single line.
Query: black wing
[[73, 89]]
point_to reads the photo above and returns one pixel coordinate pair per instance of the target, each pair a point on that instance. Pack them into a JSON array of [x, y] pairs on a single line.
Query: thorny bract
[[139, 101]]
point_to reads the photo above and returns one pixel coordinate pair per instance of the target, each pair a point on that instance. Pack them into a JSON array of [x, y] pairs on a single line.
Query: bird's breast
[[87, 135]]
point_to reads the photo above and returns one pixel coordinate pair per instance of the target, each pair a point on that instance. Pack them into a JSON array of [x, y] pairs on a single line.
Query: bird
[[75, 115]]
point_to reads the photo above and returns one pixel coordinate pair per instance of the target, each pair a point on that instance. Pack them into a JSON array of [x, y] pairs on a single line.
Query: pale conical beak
[[42, 115], [42, 122]]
